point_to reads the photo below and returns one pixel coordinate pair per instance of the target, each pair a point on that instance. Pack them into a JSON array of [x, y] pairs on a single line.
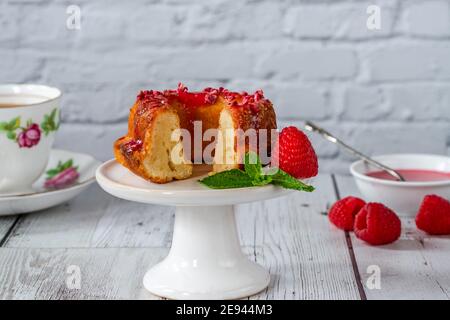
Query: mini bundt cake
[[152, 150]]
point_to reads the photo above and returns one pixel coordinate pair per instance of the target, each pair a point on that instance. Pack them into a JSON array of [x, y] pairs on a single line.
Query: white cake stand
[[205, 260]]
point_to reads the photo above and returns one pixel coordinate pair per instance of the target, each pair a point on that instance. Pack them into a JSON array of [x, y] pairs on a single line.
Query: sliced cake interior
[[165, 159], [225, 157]]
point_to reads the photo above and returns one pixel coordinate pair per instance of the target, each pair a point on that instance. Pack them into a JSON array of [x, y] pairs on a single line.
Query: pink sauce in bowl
[[413, 175]]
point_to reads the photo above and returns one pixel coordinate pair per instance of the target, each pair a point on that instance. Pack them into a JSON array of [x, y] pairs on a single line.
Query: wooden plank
[[95, 219], [306, 257], [6, 223], [414, 267], [105, 273]]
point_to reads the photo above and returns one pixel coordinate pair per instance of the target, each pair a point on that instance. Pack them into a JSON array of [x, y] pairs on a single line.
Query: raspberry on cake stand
[[205, 260]]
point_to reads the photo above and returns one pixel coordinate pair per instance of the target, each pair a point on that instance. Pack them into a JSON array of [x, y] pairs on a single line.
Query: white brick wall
[[382, 90]]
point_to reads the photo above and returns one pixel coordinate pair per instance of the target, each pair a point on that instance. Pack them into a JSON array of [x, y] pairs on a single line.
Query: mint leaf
[[253, 176], [3, 126], [253, 167], [234, 178], [262, 181], [287, 181]]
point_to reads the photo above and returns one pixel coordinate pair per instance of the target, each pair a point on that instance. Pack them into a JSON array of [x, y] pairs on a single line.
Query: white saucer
[[205, 260], [41, 198]]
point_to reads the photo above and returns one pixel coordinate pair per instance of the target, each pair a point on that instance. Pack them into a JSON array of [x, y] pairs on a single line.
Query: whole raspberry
[[342, 213], [434, 215], [294, 154], [377, 224]]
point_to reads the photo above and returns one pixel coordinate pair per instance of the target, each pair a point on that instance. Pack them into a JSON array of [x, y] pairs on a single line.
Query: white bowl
[[402, 197]]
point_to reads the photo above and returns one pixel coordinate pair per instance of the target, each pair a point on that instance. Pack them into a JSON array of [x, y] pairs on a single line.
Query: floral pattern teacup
[[29, 119]]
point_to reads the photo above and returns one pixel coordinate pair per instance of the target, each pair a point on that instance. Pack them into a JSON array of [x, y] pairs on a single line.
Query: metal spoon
[[314, 128]]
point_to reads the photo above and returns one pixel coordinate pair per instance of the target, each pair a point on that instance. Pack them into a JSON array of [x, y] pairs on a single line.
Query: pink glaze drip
[[413, 175]]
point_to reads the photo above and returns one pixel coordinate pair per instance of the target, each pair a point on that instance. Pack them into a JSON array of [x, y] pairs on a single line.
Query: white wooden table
[[113, 242]]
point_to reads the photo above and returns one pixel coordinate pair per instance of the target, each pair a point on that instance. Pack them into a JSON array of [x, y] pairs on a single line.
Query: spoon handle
[[328, 136]]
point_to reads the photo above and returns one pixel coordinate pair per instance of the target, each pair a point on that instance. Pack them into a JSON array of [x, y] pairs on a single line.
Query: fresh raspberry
[[377, 224], [294, 154], [434, 215], [342, 213]]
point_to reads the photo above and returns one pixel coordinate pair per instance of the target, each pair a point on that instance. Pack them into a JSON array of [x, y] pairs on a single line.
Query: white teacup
[[29, 119]]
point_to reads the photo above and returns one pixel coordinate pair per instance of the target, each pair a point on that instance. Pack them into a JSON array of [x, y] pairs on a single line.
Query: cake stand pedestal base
[[205, 260]]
